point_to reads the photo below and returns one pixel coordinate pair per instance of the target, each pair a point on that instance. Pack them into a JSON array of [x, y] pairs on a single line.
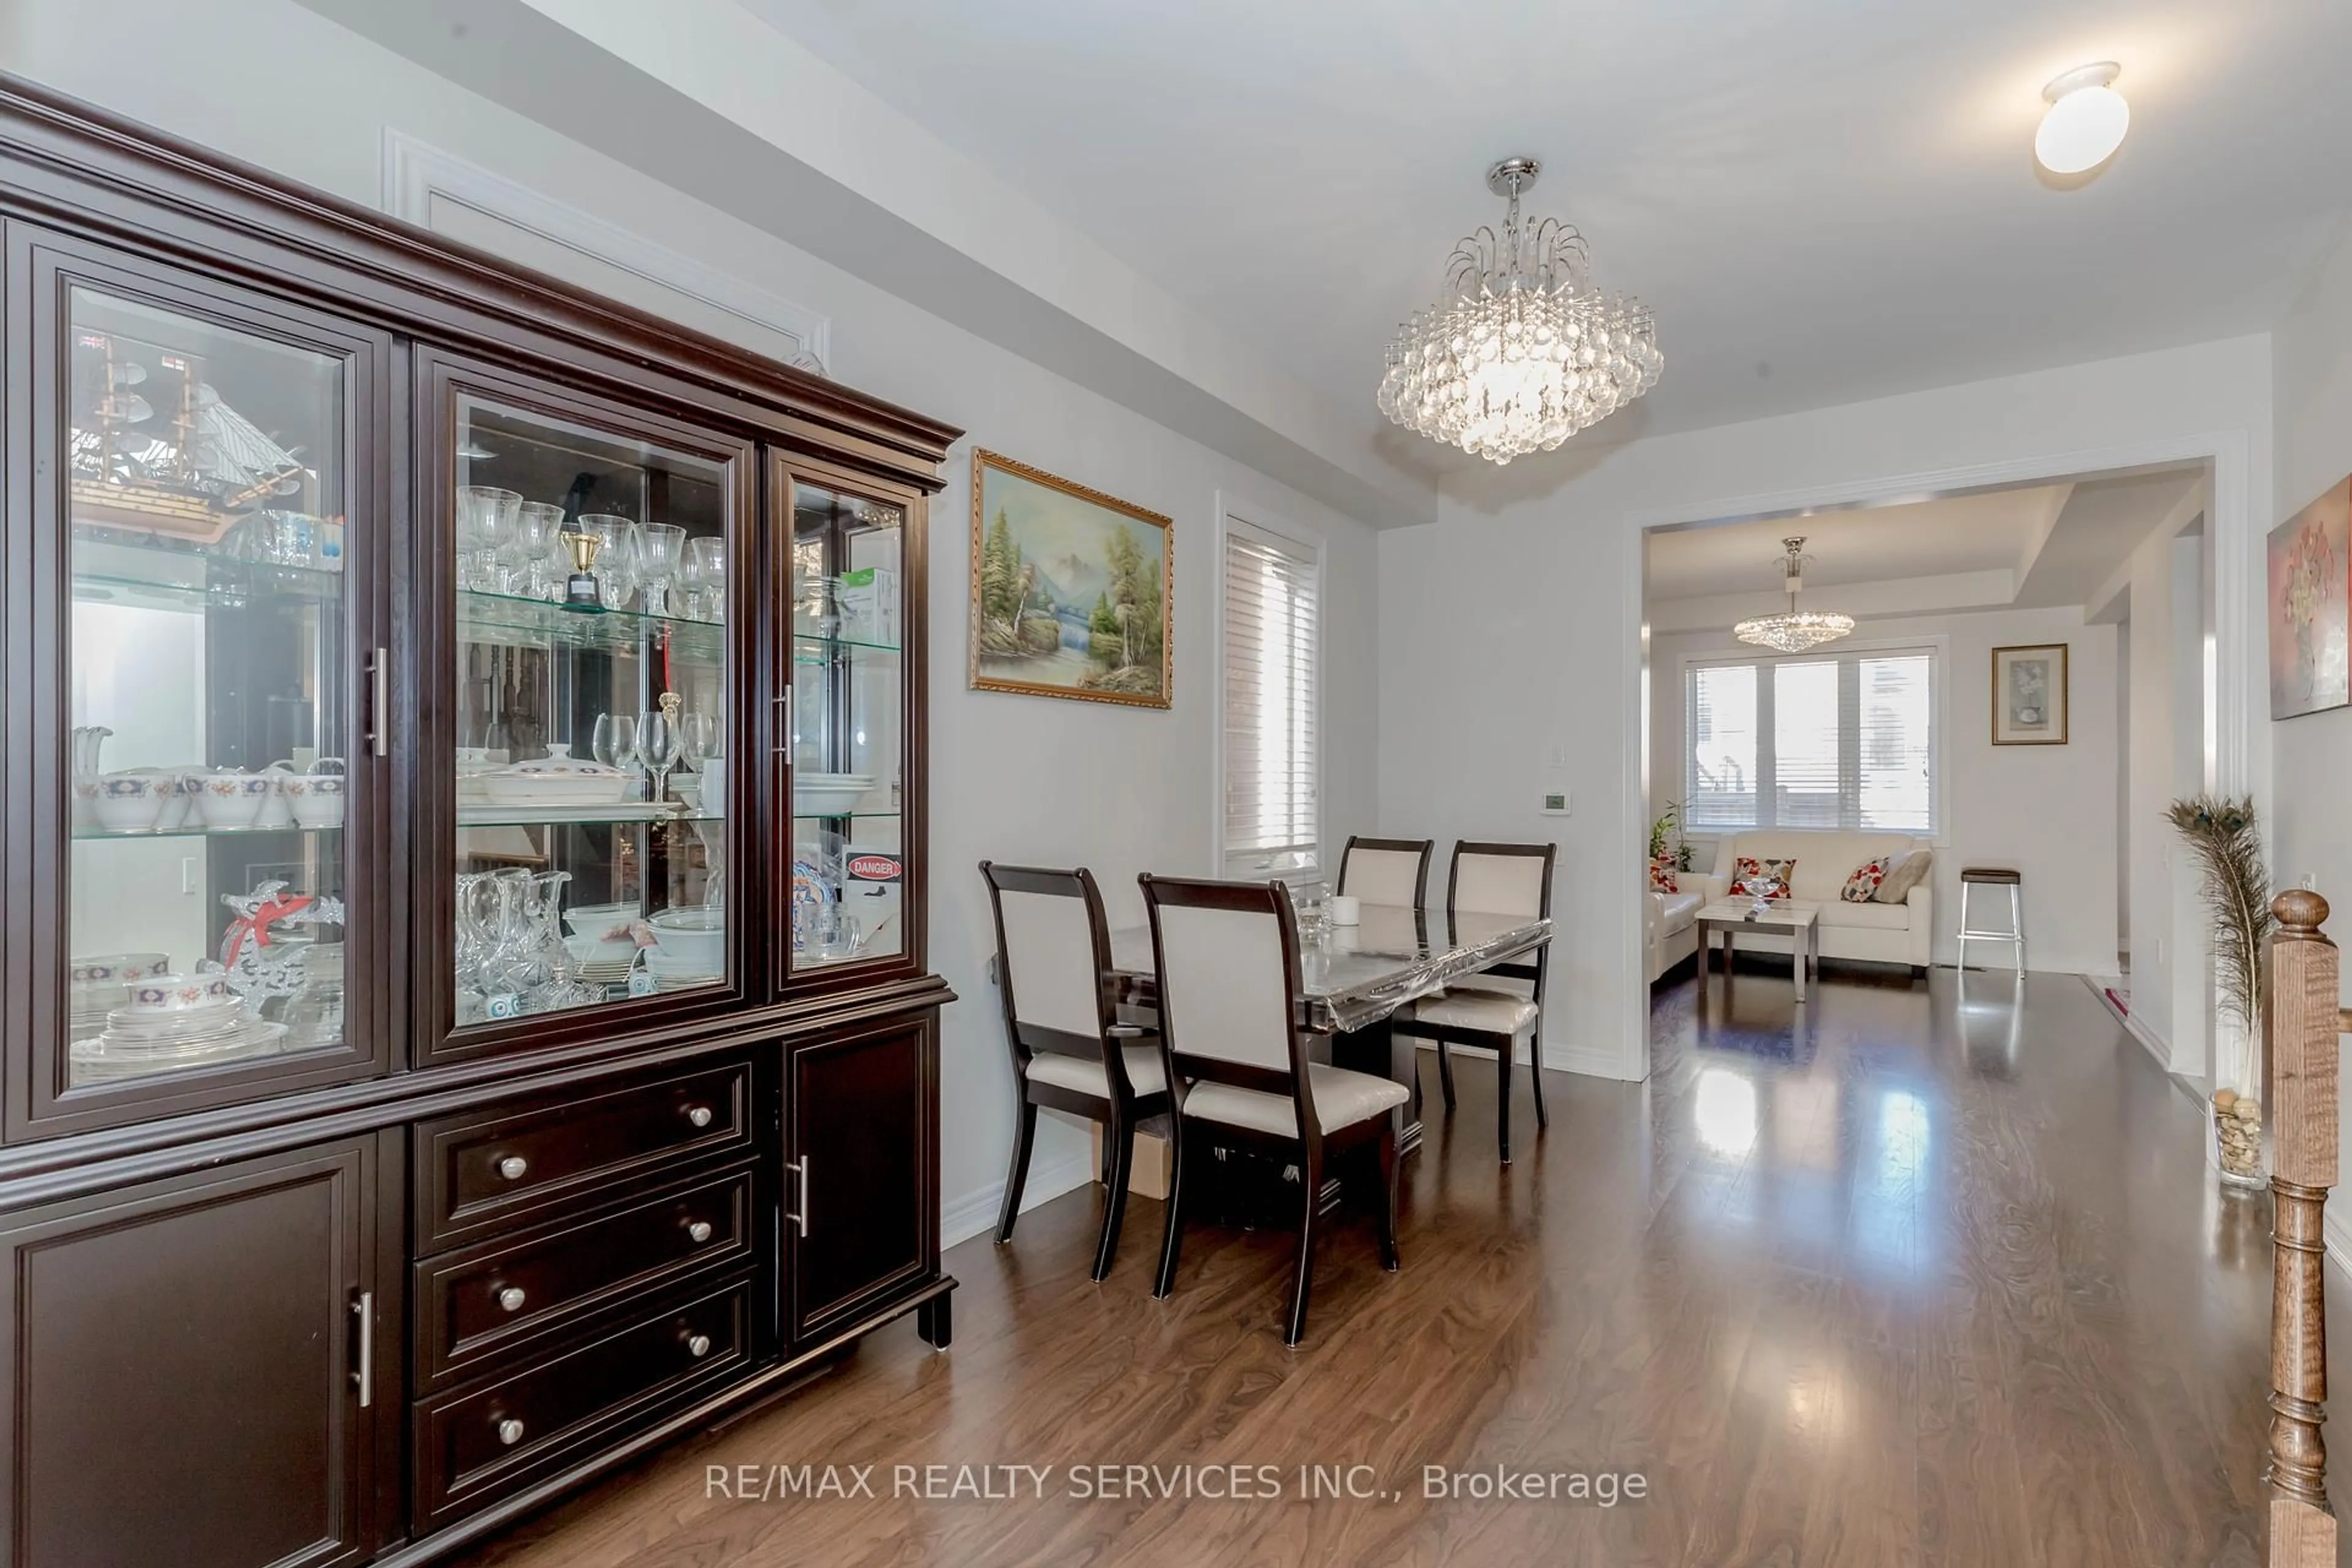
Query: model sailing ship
[[194, 482]]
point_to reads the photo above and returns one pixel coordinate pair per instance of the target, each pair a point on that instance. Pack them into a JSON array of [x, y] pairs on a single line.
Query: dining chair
[[1496, 1006], [1226, 956], [1386, 870], [1069, 1050]]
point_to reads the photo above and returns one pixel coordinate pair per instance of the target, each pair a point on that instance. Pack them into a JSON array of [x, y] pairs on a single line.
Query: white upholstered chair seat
[[1144, 1073], [1342, 1099], [1490, 1012]]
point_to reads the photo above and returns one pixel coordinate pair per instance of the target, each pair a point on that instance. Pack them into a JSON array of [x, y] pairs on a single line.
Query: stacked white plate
[[136, 1041], [671, 973]]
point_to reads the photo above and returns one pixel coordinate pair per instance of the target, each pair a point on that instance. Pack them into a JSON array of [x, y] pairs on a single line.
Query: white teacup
[[234, 799], [316, 799], [129, 802]]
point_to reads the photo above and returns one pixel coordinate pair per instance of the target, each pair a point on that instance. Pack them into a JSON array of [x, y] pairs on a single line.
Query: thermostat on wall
[[1556, 804]]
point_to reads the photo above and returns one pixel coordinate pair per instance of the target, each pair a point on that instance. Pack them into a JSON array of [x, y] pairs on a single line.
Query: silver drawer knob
[[510, 1431], [697, 1345], [511, 1298], [698, 1232], [513, 1167], [698, 1115]]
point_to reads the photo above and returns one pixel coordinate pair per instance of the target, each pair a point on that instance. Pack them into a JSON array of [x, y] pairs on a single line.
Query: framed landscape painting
[[2310, 581], [2029, 696], [1069, 589]]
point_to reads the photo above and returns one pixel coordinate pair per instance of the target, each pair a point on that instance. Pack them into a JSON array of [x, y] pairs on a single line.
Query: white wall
[[1012, 778], [2044, 810], [2313, 755], [1512, 624]]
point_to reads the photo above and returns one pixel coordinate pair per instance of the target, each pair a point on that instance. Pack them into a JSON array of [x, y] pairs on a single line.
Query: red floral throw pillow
[[1862, 885], [1746, 868], [1661, 876]]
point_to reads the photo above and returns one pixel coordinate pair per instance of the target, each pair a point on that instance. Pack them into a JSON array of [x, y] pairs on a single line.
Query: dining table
[[1354, 979]]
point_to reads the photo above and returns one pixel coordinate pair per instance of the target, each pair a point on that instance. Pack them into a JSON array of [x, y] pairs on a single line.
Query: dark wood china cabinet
[[465, 1020]]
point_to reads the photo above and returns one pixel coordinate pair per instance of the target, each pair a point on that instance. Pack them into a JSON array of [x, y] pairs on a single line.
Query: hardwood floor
[[1921, 1279]]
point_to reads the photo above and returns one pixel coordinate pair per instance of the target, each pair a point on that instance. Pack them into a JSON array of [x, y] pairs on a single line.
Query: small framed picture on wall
[[2029, 696]]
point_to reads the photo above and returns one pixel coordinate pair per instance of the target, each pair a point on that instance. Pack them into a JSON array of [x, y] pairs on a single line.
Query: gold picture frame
[[2029, 695], [1068, 598]]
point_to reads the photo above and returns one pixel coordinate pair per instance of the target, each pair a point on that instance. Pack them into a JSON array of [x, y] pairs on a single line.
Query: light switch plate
[[1555, 802]]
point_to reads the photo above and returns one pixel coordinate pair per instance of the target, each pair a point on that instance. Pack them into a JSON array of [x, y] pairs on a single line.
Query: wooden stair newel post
[[2303, 1018]]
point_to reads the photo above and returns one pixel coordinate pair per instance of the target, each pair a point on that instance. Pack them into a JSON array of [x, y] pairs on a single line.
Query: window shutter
[[1805, 732], [1720, 789], [1841, 741], [1272, 612], [1895, 789]]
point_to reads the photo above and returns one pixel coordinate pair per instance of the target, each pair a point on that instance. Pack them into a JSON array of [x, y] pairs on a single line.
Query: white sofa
[[1876, 932], [1670, 924]]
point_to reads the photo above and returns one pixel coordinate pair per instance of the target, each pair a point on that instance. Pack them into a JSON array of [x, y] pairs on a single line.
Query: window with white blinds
[[1271, 703], [1842, 741]]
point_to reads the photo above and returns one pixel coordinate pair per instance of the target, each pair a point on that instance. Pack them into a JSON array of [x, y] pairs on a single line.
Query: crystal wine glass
[[660, 548], [616, 557], [699, 739], [615, 740], [659, 742], [493, 510], [705, 573], [535, 548]]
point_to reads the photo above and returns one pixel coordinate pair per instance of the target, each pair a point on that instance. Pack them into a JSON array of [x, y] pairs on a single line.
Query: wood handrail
[[2306, 1019]]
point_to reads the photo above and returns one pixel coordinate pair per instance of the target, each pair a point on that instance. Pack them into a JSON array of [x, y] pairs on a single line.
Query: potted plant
[[2222, 833]]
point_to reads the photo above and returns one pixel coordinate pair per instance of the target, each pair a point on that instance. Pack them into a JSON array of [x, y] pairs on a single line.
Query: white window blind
[[1844, 741], [1272, 704]]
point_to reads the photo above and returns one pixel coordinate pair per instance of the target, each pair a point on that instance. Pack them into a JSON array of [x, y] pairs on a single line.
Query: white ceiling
[[1823, 201], [2036, 546], [1996, 532]]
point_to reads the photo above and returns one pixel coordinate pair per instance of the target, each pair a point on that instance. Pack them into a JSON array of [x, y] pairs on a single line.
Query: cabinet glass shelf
[[844, 817], [809, 648], [140, 578], [511, 618], [572, 816], [135, 835]]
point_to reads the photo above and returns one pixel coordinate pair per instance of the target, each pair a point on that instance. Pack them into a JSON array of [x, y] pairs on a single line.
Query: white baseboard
[[975, 1211], [2155, 1045]]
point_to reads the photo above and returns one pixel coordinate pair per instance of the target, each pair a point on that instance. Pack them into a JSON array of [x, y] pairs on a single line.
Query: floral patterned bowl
[[179, 993]]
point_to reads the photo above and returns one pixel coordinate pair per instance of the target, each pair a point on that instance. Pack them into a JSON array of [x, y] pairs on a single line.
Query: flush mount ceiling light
[[1524, 353], [2085, 120], [1796, 630]]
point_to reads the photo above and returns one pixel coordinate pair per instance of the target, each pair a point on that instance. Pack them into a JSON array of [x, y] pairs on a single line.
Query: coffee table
[[1792, 918]]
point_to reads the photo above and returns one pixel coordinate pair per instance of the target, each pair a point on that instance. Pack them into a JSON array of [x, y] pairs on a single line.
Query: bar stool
[[1975, 877]]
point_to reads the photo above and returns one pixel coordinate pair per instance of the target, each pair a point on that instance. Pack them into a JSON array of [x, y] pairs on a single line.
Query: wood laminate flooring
[[1926, 1276]]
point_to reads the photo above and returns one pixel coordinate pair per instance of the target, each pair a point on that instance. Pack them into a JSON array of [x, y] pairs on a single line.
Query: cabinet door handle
[[784, 724], [513, 1167], [697, 1345], [380, 703], [698, 1115], [800, 1216], [364, 1311], [510, 1431], [511, 1298], [698, 1232]]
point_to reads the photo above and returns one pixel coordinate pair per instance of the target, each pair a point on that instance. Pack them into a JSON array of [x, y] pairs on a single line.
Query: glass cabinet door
[[215, 741], [596, 613], [848, 741]]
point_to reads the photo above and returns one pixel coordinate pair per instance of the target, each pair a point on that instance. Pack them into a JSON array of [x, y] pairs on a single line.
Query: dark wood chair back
[[1380, 871], [1227, 958], [1053, 965], [1505, 879]]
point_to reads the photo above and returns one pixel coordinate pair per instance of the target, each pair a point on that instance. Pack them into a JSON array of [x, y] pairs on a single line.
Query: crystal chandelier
[[1524, 353], [1796, 630]]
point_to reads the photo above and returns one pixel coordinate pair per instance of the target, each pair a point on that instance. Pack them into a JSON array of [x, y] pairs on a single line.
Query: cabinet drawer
[[487, 1300], [488, 1171], [473, 1449]]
